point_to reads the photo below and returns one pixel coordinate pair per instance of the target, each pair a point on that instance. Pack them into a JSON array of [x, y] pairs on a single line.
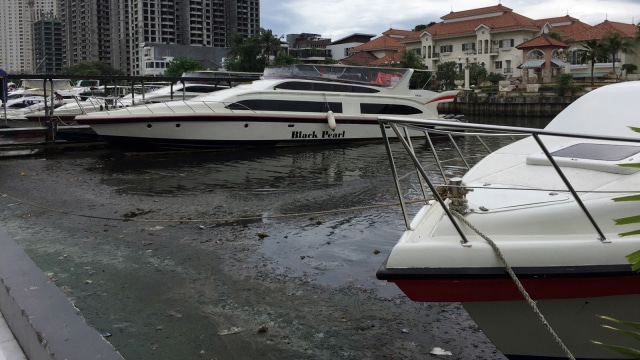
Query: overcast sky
[[336, 19]]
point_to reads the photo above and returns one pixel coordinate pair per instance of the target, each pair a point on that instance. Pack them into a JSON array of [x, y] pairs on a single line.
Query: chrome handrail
[[451, 129]]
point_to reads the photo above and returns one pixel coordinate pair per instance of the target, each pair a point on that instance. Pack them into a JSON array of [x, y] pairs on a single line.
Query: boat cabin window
[[196, 89], [608, 152], [286, 105], [328, 87], [611, 158], [388, 109]]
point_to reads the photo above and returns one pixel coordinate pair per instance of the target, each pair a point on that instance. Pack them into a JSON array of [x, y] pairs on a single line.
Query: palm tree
[[270, 43], [593, 51], [615, 43], [411, 59]]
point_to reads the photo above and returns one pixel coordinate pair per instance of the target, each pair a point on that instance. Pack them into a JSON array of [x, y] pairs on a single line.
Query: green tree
[[410, 59], [245, 54], [593, 51], [629, 68], [252, 54], [329, 61], [270, 43], [477, 73], [446, 74], [565, 84], [423, 26], [284, 59], [615, 43], [182, 64], [495, 78], [95, 68]]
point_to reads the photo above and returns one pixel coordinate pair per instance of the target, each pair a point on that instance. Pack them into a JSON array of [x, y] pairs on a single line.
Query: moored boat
[[291, 105], [533, 239]]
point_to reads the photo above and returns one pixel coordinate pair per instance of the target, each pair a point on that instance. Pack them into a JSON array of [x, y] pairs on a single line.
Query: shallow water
[[332, 207], [192, 264]]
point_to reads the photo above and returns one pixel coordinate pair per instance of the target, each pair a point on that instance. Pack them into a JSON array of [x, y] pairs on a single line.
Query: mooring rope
[[515, 279], [135, 219]]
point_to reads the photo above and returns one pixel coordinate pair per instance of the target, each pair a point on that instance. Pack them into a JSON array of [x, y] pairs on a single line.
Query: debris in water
[[263, 329], [376, 251], [155, 228], [439, 351], [174, 314], [262, 234], [404, 331], [233, 330], [106, 334]]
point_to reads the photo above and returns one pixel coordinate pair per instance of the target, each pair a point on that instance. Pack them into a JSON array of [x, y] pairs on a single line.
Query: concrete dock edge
[[44, 322]]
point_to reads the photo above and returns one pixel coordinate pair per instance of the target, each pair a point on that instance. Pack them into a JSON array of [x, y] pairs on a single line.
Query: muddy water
[[235, 254]]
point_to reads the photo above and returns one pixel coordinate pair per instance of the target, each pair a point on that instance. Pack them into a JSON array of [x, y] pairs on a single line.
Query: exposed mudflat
[[198, 256]]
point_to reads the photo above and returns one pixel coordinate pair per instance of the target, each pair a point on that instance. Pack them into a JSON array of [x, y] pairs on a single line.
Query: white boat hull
[[171, 133], [538, 231], [519, 334]]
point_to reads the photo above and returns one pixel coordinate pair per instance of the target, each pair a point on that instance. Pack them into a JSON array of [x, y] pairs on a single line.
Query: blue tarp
[[4, 91]]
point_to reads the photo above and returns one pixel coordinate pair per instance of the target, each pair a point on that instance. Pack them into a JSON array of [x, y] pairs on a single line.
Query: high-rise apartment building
[[87, 26], [16, 32], [48, 54], [117, 31]]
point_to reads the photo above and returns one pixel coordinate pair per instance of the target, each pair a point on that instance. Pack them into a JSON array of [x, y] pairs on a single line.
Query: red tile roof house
[[543, 59], [491, 36]]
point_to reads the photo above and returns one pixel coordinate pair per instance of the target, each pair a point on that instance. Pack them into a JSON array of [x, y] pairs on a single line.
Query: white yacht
[[534, 239], [290, 105]]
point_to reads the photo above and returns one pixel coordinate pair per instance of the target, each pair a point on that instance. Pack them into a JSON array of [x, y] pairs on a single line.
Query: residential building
[[383, 50], [308, 48], [487, 36], [342, 48], [87, 25], [576, 42], [16, 32], [47, 45]]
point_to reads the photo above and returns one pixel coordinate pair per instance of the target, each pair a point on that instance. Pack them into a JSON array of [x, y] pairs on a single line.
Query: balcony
[[507, 70]]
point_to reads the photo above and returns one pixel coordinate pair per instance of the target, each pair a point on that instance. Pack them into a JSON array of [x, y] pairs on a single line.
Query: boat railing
[[453, 130], [196, 107]]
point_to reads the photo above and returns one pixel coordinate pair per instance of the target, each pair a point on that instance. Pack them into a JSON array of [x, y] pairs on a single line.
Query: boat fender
[[331, 120]]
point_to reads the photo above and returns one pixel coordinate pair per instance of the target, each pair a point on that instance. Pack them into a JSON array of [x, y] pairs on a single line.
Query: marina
[[232, 254]]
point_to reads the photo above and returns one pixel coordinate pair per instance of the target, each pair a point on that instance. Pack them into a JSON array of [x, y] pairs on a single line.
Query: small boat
[[290, 105], [34, 96], [533, 239]]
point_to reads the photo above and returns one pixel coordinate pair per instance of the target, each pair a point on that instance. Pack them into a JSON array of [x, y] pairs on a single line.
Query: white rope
[[521, 288]]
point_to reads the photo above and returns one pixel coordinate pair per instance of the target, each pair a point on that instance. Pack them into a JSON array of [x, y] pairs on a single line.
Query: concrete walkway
[[37, 321], [9, 347]]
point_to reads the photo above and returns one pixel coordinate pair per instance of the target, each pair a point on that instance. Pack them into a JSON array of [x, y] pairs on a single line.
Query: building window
[[506, 43], [497, 65], [446, 48], [468, 46], [535, 54]]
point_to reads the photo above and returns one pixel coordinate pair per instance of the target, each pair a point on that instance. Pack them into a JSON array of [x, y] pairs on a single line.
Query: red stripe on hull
[[464, 290], [442, 98]]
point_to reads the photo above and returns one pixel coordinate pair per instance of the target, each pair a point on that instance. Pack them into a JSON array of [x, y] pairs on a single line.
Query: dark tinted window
[[328, 87], [388, 109], [198, 89], [607, 152], [286, 105]]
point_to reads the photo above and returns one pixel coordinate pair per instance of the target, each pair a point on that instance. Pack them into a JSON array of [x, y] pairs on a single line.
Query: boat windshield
[[383, 77]]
